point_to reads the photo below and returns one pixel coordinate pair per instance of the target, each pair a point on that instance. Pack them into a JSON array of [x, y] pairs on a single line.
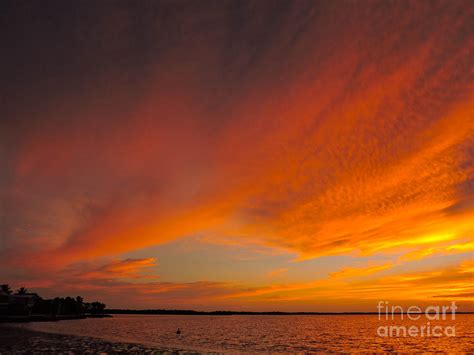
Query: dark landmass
[[24, 306], [47, 318], [230, 313], [18, 340]]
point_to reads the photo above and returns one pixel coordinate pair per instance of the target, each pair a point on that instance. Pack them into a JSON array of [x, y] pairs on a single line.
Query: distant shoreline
[[231, 313], [47, 318]]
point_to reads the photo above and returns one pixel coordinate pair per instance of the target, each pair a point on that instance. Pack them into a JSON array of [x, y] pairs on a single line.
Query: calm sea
[[344, 333]]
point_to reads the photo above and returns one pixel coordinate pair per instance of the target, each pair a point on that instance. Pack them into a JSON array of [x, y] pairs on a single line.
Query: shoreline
[[248, 313], [16, 339], [47, 318]]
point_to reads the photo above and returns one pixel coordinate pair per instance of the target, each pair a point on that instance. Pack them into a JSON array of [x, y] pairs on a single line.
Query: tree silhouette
[[79, 305], [21, 291], [6, 288], [97, 308], [59, 307]]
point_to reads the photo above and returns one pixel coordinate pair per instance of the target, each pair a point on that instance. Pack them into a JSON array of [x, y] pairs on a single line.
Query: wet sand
[[17, 340]]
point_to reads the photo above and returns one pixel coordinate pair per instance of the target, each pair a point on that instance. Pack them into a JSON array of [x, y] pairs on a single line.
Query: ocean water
[[279, 334]]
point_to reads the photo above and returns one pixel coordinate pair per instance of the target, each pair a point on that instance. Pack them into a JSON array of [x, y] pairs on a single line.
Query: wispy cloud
[[119, 269], [348, 132]]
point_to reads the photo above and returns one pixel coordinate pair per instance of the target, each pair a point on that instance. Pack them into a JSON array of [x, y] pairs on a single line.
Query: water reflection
[[267, 333]]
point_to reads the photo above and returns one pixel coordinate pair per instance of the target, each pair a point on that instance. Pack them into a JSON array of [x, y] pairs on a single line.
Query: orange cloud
[[119, 269], [301, 131], [360, 271], [277, 272], [417, 288]]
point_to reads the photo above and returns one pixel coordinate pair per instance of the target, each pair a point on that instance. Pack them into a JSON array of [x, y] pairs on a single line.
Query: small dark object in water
[[178, 331]]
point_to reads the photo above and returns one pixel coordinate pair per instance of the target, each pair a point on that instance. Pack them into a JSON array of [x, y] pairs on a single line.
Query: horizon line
[[224, 312]]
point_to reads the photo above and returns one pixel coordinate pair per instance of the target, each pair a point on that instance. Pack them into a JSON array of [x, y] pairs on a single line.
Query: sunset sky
[[241, 155]]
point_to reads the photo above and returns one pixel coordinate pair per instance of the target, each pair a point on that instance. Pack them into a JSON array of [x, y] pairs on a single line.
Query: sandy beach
[[14, 339]]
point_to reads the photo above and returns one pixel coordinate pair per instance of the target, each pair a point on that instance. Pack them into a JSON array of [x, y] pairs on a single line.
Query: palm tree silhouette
[[6, 288], [21, 291]]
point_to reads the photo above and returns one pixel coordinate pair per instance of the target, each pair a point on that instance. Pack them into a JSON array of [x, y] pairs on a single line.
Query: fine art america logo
[[422, 319]]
